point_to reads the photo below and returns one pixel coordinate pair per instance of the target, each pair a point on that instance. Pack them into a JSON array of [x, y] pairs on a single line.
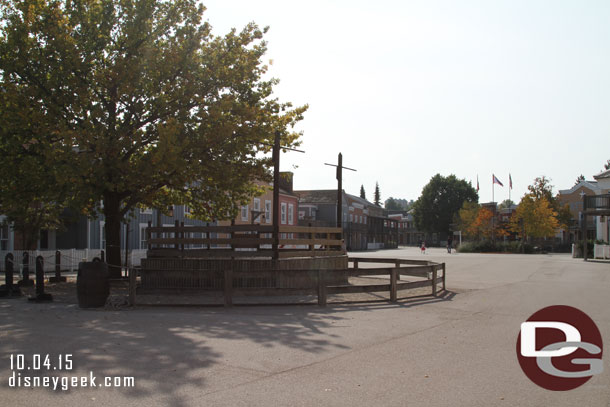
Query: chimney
[[286, 181]]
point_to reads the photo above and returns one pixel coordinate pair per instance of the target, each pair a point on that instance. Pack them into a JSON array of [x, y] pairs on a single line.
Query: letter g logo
[[555, 344]]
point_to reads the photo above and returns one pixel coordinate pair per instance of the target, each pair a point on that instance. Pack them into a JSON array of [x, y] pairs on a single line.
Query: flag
[[497, 181], [477, 182], [510, 181]]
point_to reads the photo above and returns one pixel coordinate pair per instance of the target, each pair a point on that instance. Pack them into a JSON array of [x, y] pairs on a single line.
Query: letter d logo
[[560, 348]]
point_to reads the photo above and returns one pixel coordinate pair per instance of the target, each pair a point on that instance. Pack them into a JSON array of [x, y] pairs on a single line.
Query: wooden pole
[[132, 286], [276, 197], [584, 228], [393, 284], [339, 190], [321, 288]]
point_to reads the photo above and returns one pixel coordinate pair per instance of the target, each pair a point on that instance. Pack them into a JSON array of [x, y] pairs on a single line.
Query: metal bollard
[[9, 289], [58, 278], [25, 274], [40, 294]]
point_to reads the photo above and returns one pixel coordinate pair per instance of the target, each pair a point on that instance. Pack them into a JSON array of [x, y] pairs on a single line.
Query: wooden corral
[[247, 241], [230, 278]]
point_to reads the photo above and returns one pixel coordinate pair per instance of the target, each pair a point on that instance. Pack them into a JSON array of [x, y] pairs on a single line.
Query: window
[[244, 213], [364, 218], [360, 218], [268, 211], [256, 215], [3, 237], [351, 217], [143, 241], [146, 211], [283, 213], [187, 210], [291, 214], [102, 235]]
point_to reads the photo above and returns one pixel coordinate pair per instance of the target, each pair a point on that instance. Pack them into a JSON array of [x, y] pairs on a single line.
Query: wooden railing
[[243, 241], [597, 203], [233, 282]]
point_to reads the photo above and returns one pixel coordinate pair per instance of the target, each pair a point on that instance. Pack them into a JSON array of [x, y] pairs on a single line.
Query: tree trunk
[[113, 234]]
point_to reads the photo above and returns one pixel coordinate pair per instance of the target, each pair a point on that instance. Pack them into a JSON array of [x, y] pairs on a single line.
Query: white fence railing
[[69, 258], [601, 251]]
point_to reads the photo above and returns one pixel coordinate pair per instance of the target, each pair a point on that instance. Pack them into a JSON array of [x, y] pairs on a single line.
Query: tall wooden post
[[339, 190], [276, 197], [584, 228]]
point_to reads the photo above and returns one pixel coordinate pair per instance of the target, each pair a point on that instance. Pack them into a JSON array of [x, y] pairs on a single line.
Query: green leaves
[[440, 201], [135, 102]]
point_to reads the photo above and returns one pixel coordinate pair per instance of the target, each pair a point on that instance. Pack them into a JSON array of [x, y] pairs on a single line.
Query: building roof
[[592, 185], [602, 175]]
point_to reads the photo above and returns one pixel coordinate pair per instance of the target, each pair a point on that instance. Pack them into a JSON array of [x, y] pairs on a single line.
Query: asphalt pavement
[[458, 349]]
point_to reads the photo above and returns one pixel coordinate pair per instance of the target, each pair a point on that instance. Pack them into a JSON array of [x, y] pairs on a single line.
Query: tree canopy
[[135, 102], [440, 201]]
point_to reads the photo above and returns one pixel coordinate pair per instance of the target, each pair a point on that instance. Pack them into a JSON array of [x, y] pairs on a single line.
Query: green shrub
[[487, 246]]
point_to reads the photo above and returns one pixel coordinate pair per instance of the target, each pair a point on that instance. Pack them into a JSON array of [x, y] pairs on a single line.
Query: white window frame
[[143, 227], [187, 210], [283, 213], [244, 213], [268, 209], [291, 214]]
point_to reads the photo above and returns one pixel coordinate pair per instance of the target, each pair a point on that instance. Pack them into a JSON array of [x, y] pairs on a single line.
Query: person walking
[[449, 244]]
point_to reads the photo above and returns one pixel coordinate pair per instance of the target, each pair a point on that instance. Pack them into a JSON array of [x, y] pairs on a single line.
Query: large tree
[[440, 201], [140, 104], [535, 217]]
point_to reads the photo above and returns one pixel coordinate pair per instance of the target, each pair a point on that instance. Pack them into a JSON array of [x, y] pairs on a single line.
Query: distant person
[[423, 247], [449, 244]]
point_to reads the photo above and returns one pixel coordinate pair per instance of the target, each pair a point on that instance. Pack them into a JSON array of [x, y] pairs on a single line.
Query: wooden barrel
[[92, 286]]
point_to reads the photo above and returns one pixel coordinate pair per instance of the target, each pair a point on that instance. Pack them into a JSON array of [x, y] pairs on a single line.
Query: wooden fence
[[243, 241], [231, 282]]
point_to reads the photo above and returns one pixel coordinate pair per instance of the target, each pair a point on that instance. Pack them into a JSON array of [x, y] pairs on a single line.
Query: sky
[[408, 89]]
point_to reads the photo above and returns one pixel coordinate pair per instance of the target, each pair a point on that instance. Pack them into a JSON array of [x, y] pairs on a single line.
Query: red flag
[[497, 181], [510, 181]]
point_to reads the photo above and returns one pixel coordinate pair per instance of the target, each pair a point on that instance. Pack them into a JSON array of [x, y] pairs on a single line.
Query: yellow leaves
[[535, 217]]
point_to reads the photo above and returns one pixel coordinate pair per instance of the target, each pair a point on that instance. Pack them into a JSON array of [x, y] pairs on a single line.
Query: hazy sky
[[407, 89]]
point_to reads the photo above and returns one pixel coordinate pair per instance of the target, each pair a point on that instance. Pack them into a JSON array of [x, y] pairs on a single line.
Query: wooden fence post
[[434, 272], [321, 288], [393, 284], [444, 276], [176, 234], [397, 265], [228, 286], [355, 264]]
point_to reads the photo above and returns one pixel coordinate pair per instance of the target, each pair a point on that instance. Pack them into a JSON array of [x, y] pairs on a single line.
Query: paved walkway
[[456, 350]]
